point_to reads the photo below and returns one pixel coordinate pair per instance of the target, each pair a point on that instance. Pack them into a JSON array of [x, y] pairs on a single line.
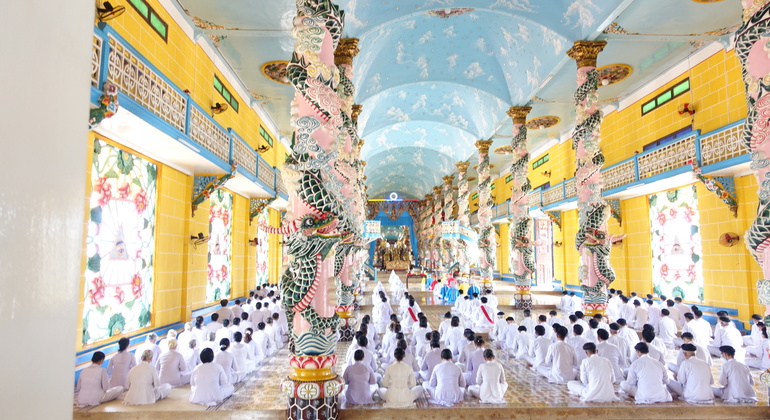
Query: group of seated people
[[211, 358]]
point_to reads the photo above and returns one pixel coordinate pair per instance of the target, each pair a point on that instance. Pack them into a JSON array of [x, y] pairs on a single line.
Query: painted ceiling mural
[[434, 76]]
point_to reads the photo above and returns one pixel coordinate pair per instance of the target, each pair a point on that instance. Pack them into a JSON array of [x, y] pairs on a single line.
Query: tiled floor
[[261, 390]]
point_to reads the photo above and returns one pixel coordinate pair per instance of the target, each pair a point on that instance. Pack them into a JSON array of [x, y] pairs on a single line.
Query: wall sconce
[[254, 242], [262, 148], [546, 174], [686, 108], [108, 12], [557, 244], [605, 82], [219, 108], [199, 240], [619, 242], [729, 239]]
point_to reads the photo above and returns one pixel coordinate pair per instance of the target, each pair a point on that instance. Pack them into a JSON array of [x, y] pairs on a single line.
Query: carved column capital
[[356, 112], [519, 113], [448, 180], [483, 146], [346, 50], [585, 52], [462, 166]]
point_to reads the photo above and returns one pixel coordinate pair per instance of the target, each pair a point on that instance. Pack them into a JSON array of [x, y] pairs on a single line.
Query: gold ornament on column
[[462, 167], [585, 53], [483, 146], [448, 179], [519, 114], [346, 51]]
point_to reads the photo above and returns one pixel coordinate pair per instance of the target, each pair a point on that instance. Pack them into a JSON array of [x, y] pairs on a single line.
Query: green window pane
[[141, 7], [662, 99], [493, 186], [226, 94], [475, 196], [158, 25], [649, 106], [234, 103], [509, 178], [545, 158], [217, 84], [682, 87], [269, 140]]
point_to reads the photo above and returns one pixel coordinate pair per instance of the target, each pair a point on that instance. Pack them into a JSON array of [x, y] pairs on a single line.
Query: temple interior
[[523, 149]]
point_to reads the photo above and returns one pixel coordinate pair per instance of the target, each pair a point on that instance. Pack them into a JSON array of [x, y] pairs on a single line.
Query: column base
[[346, 331], [312, 400], [522, 301], [591, 309]]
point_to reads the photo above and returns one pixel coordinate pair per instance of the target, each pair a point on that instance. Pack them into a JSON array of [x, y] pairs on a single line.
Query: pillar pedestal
[[346, 329], [486, 286], [591, 309], [523, 298], [312, 399]]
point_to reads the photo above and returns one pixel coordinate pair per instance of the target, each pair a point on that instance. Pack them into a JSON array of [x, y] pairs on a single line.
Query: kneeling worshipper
[[474, 360], [490, 381], [447, 383], [647, 378], [728, 335], [763, 360], [700, 353], [226, 359], [144, 386], [399, 385], [209, 384], [172, 366], [121, 364], [93, 387], [360, 384], [449, 293], [596, 378], [485, 317], [693, 381], [560, 360], [736, 380]]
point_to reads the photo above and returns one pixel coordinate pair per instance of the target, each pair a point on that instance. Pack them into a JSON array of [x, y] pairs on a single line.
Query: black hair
[[198, 322], [489, 354], [98, 357], [539, 330], [245, 316], [642, 348], [665, 312], [237, 337], [207, 355], [123, 343], [446, 354], [478, 341], [225, 323], [455, 321], [358, 355], [522, 328], [687, 335], [603, 334], [236, 321], [589, 347], [224, 344], [614, 326], [561, 332], [223, 302], [592, 323], [648, 335], [261, 326], [214, 317], [728, 350], [399, 354], [578, 329], [542, 318]]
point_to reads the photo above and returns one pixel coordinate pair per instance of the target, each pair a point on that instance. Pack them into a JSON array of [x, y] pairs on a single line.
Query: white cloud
[[397, 114], [442, 111], [581, 11], [426, 37], [550, 37], [452, 60], [532, 78], [490, 78], [508, 37], [523, 32], [401, 94], [400, 54], [449, 32], [474, 70], [420, 102], [390, 158], [457, 99], [457, 120], [375, 85], [410, 24], [520, 5], [481, 44], [422, 63]]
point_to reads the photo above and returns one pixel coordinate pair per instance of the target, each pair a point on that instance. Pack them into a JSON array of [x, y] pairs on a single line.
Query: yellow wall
[[730, 274]]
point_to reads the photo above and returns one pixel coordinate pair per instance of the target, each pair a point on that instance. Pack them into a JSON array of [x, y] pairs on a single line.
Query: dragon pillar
[[487, 237]]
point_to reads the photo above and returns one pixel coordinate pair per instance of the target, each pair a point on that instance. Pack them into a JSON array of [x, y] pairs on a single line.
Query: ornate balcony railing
[[113, 59], [722, 145]]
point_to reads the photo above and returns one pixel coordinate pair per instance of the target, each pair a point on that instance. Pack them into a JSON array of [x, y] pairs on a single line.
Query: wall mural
[[120, 244], [262, 248], [220, 245], [677, 267]]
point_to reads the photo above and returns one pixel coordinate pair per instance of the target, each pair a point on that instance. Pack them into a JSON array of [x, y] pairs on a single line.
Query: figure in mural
[[751, 42]]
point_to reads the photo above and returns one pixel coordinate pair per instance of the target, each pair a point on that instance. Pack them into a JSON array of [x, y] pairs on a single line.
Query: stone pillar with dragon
[[438, 217], [316, 221], [523, 250], [347, 170], [487, 236], [464, 217], [592, 239], [752, 46], [429, 231], [449, 204], [361, 252]]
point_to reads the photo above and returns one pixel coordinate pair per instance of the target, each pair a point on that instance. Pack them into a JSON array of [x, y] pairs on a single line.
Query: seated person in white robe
[[490, 384], [647, 378], [242, 354], [227, 360], [700, 353], [360, 384], [692, 383], [255, 352], [560, 365], [728, 335], [753, 340], [430, 361], [612, 353], [521, 344], [654, 352], [485, 316], [443, 327], [474, 360], [399, 385], [539, 349], [246, 322], [418, 333], [447, 384], [263, 340], [507, 331], [209, 384], [149, 344], [381, 314], [121, 364], [172, 367], [214, 325], [596, 377], [163, 343], [736, 380], [466, 349], [191, 355], [666, 328], [763, 360], [93, 387], [454, 339], [576, 341], [144, 386]]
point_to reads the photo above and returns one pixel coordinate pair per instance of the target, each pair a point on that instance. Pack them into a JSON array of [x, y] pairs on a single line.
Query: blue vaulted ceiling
[[434, 76]]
